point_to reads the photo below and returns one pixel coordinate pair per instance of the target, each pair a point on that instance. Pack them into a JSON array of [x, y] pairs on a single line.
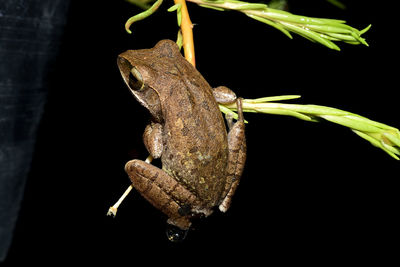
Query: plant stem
[[187, 33], [378, 134], [142, 15]]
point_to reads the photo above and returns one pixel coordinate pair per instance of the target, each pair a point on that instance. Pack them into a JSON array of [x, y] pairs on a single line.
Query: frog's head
[[142, 71]]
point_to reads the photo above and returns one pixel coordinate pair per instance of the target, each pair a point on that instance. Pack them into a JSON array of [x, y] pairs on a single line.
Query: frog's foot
[[163, 192]]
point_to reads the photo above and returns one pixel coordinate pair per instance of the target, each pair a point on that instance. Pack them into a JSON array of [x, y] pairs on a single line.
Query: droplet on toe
[[175, 234]]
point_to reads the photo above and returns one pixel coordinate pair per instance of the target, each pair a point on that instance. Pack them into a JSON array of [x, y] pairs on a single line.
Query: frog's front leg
[[163, 192], [236, 158], [152, 139]]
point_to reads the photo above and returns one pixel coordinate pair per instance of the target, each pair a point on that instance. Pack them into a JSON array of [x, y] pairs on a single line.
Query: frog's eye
[[135, 80]]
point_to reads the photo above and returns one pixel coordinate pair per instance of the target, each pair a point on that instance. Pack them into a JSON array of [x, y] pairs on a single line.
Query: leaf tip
[[127, 26], [365, 29]]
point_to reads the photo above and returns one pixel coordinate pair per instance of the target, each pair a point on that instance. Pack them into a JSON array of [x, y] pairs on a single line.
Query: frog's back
[[195, 139]]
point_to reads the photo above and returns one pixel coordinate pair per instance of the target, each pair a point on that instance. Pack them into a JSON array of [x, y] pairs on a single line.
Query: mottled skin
[[201, 163]]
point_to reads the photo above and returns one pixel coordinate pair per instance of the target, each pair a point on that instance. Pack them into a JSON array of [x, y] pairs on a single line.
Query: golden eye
[[135, 80]]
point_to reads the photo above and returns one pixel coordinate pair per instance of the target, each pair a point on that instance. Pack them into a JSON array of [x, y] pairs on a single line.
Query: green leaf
[[337, 3], [311, 35], [351, 123], [320, 30], [212, 7], [271, 23], [272, 98], [394, 139], [174, 7], [376, 143], [226, 110]]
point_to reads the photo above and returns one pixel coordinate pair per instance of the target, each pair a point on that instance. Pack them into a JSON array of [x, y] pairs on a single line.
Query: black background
[[309, 192]]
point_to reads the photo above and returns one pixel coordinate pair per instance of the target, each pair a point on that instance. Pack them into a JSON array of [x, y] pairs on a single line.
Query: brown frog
[[201, 163]]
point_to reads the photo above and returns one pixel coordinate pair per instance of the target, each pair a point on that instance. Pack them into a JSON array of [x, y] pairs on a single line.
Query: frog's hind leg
[[236, 158], [163, 192]]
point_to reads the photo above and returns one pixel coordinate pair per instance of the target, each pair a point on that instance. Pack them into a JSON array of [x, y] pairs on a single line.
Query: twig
[[187, 33], [112, 211]]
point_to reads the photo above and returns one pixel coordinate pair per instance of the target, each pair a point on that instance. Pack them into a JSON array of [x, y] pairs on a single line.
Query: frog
[[202, 161]]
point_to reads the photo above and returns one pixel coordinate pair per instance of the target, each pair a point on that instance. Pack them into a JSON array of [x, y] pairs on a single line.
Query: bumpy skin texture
[[187, 131]]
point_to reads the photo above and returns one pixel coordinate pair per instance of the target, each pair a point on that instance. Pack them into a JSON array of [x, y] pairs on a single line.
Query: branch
[[378, 134], [320, 30], [187, 32]]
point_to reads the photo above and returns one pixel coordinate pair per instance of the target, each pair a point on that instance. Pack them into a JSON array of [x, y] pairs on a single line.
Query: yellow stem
[[187, 33]]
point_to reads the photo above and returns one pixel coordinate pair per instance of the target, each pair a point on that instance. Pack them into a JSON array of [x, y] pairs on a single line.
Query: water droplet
[[175, 234]]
